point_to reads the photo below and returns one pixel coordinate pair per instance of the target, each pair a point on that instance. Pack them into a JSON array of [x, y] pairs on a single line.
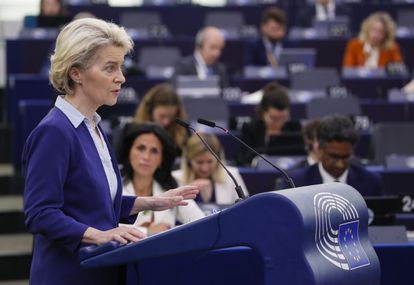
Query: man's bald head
[[209, 43]]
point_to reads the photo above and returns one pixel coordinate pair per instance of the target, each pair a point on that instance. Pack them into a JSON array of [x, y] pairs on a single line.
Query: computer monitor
[[52, 21], [298, 56], [382, 209], [289, 143]]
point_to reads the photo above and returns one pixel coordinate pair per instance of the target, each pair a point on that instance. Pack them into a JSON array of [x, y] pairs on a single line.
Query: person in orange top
[[375, 46]]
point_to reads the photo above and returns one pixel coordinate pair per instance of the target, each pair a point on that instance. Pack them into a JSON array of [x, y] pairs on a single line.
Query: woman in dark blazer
[[72, 182]]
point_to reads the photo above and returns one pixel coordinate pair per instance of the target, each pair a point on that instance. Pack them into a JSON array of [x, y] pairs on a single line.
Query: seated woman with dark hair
[[273, 120], [147, 155]]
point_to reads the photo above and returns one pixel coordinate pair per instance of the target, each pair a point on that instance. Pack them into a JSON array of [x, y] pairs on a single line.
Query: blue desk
[[395, 260], [395, 182]]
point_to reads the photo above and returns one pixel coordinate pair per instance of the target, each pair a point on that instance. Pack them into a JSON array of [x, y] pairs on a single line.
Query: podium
[[309, 235]]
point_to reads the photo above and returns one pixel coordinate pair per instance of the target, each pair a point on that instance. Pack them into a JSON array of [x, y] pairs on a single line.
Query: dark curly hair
[[274, 96], [163, 174], [336, 128]]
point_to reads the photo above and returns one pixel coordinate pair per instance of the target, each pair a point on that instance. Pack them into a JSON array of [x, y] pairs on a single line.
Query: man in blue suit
[[266, 50], [336, 137]]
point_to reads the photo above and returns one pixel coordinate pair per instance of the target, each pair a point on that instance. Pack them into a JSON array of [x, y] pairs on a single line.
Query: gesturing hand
[[186, 192], [167, 200]]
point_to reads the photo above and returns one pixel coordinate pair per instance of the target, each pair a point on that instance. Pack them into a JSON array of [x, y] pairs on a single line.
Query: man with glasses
[[336, 137]]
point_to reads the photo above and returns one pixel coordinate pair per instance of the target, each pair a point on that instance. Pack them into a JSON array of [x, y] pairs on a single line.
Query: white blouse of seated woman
[[199, 167], [147, 163]]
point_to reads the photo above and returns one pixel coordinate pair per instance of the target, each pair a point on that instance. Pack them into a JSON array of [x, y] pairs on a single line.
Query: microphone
[[211, 124], [238, 188]]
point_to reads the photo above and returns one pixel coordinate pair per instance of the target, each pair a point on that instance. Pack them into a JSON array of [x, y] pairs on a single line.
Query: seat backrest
[[158, 56], [320, 107], [397, 161], [392, 138], [210, 108], [140, 20], [228, 20], [315, 79], [304, 56], [405, 18]]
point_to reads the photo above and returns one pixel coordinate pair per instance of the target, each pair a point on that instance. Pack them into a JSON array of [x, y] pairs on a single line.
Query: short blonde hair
[[389, 28], [194, 148], [76, 46]]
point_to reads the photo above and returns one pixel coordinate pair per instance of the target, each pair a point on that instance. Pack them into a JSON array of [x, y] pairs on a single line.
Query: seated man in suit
[[266, 50], [322, 10], [336, 137], [205, 60]]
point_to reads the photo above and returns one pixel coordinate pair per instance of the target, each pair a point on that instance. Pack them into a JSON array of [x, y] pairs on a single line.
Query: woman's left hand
[[187, 192]]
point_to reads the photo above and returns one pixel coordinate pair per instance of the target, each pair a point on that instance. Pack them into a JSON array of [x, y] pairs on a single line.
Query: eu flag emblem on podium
[[350, 245]]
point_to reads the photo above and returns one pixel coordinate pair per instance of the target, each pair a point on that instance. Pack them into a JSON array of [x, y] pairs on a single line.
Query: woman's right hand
[[203, 184], [121, 234], [206, 188]]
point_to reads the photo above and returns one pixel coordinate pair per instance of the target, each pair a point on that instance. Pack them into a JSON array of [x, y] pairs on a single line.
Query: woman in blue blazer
[[73, 186]]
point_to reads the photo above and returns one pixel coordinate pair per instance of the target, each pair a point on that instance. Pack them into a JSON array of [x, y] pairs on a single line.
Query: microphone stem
[[288, 180], [238, 188]]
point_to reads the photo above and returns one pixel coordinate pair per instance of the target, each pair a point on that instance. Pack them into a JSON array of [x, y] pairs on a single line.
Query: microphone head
[[206, 122], [182, 123]]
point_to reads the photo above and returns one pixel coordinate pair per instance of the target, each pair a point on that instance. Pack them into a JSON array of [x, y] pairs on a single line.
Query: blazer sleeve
[[127, 203], [395, 53], [352, 52], [46, 161]]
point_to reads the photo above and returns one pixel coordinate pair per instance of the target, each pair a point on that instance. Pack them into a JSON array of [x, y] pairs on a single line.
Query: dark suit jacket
[[187, 66], [253, 134], [305, 16], [66, 191], [256, 53], [366, 182]]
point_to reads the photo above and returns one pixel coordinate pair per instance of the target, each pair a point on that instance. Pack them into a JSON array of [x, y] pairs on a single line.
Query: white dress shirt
[[328, 13], [327, 178], [372, 56]]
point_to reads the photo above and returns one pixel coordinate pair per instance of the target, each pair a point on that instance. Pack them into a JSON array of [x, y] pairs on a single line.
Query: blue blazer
[[66, 191], [366, 182]]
